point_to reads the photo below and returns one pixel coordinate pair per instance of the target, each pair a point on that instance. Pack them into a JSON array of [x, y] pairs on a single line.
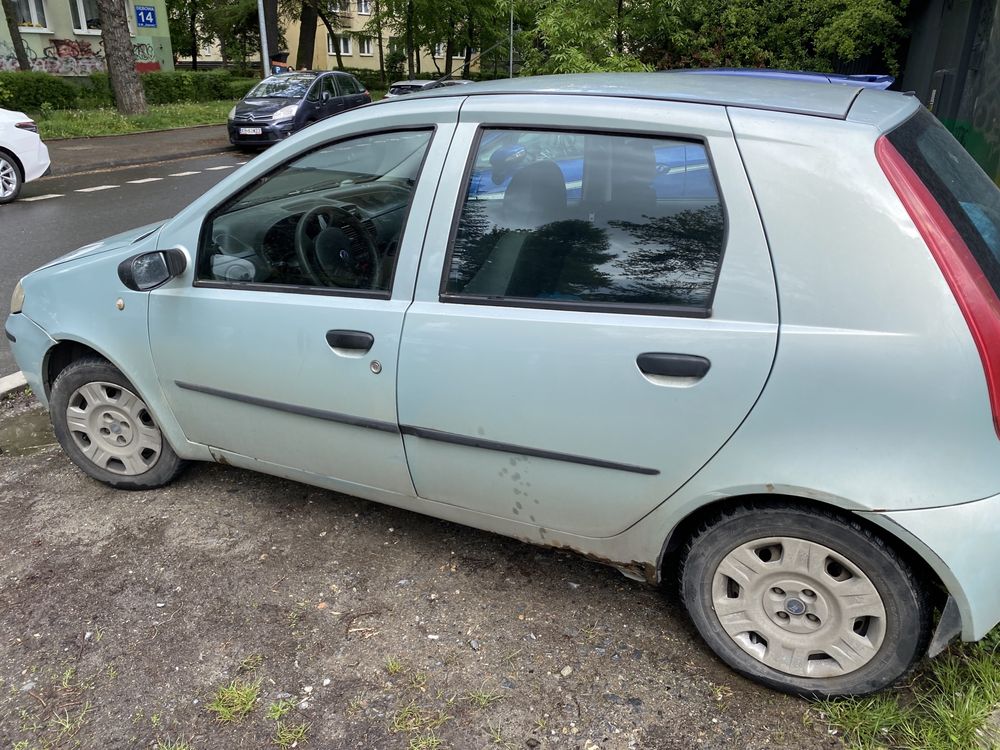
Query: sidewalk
[[73, 155]]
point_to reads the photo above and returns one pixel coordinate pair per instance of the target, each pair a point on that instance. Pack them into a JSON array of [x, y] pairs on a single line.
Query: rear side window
[[584, 220], [960, 187]]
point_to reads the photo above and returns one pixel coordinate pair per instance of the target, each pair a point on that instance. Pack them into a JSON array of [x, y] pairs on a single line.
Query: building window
[[343, 41], [364, 7], [85, 15], [31, 14], [440, 49], [364, 45]]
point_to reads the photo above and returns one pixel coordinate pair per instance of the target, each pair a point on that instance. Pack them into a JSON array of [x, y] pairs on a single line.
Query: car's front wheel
[[107, 430], [805, 601], [11, 179]]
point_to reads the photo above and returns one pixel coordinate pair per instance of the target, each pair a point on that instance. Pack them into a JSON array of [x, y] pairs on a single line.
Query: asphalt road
[[58, 214]]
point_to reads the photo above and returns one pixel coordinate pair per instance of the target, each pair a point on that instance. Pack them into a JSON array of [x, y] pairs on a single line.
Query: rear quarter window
[[969, 198]]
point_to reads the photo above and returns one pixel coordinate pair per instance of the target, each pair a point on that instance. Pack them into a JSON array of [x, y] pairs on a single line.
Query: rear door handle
[[673, 365], [356, 342]]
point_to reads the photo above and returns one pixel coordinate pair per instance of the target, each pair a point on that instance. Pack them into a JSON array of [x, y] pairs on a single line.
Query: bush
[[180, 86], [30, 90]]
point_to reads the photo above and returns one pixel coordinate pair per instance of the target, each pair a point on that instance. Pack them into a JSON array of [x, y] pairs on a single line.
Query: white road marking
[[215, 169], [183, 174], [144, 180], [95, 189], [42, 197]]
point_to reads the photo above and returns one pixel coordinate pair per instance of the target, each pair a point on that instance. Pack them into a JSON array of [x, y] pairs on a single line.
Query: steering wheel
[[334, 249]]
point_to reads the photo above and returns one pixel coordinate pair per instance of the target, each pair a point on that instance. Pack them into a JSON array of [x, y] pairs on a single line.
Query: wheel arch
[[64, 353], [17, 161], [672, 553]]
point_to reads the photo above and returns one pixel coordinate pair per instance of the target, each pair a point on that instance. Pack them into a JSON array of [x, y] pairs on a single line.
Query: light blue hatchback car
[[741, 331]]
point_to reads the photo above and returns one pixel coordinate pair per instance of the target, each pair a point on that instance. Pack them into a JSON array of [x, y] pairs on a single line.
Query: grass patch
[[945, 707], [173, 745], [393, 665], [290, 735], [235, 701], [276, 711], [77, 123], [482, 698], [413, 718]]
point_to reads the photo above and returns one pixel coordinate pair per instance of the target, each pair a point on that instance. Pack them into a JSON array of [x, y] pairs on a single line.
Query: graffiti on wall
[[74, 57]]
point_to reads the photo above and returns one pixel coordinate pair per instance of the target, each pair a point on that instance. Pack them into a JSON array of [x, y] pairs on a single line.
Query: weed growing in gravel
[[290, 735], [425, 742], [413, 718], [946, 706], [173, 745], [234, 701], [482, 698], [251, 663], [276, 711], [393, 665], [495, 734], [419, 681]]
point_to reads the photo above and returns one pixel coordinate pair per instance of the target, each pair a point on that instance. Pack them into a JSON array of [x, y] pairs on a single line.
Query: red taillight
[[27, 125], [975, 296]]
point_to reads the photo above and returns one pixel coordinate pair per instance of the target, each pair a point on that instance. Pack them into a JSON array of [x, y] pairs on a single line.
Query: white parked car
[[23, 156]]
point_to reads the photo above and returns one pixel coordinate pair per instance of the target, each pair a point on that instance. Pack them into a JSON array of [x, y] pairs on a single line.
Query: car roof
[[776, 94], [866, 80], [415, 82]]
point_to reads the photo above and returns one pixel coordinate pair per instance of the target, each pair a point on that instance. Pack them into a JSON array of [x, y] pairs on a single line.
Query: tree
[[307, 36], [10, 13], [120, 58], [188, 28], [236, 27]]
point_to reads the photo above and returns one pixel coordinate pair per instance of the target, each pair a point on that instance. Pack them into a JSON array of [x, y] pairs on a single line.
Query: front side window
[[561, 219], [31, 14], [85, 15], [331, 219]]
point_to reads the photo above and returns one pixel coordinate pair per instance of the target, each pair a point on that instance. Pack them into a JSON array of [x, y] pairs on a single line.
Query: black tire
[[9, 169], [164, 464], [903, 633]]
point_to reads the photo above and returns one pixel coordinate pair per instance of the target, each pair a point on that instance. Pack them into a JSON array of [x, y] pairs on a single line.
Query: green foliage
[[6, 95], [395, 63], [370, 79], [79, 123], [30, 90], [947, 706], [587, 35], [179, 86]]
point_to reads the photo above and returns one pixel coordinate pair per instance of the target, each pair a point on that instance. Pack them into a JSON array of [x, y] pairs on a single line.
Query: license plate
[[250, 131]]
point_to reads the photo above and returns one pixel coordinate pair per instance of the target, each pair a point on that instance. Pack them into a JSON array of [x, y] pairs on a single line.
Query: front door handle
[[673, 365], [356, 342]]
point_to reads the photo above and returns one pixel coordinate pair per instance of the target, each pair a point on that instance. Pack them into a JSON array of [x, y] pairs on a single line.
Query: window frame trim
[[621, 308], [33, 11], [323, 291]]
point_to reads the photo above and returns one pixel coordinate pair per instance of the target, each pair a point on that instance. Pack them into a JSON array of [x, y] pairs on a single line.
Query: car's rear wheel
[[107, 430], [805, 601], [11, 178]]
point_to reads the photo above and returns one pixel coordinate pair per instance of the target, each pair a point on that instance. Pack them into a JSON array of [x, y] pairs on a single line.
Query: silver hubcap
[[8, 179], [799, 607], [113, 428]]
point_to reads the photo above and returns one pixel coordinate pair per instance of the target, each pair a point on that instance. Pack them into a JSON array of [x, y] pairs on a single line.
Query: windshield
[[282, 87]]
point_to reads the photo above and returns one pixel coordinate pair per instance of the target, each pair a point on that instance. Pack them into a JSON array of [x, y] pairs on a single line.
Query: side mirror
[[146, 271], [326, 96]]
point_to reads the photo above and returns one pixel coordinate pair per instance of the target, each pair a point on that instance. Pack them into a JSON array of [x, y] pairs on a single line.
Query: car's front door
[[602, 325], [280, 342]]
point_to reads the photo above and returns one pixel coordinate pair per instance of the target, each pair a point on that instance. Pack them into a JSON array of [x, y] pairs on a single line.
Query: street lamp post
[[265, 55], [510, 56]]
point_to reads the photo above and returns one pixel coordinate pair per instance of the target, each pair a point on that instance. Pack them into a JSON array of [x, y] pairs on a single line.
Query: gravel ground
[[124, 613]]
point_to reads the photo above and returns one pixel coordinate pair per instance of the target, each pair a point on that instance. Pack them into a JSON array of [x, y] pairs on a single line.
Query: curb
[[116, 163], [12, 383]]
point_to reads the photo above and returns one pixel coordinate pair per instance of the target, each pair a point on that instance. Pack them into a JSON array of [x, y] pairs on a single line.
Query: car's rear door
[[584, 340]]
